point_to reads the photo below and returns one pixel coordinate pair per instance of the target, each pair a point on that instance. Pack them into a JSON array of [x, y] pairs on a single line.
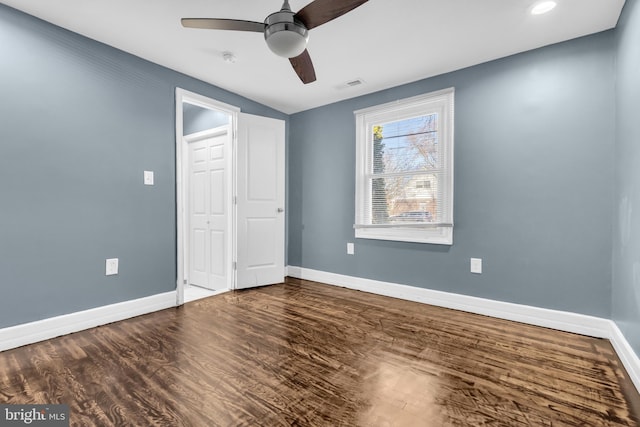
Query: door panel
[[262, 166], [217, 247], [260, 195], [217, 192], [199, 194], [198, 273], [261, 233]]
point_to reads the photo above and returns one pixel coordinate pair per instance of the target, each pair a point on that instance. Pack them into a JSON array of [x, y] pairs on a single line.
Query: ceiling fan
[[286, 32]]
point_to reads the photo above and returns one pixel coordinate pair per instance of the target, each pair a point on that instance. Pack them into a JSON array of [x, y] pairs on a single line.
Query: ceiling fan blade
[[304, 67], [319, 12], [223, 24]]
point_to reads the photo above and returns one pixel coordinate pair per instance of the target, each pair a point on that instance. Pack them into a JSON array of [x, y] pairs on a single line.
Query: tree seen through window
[[404, 154]]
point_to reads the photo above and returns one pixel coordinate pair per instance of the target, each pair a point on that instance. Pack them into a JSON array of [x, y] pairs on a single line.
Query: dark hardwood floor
[[306, 354]]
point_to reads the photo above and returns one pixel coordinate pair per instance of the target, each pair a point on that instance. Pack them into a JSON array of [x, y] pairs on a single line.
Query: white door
[[209, 228], [260, 201]]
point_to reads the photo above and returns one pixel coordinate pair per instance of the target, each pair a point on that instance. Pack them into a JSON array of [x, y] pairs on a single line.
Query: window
[[404, 170]]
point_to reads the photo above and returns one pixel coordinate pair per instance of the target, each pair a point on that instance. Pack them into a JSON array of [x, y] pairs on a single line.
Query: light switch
[[476, 265], [350, 249], [148, 177]]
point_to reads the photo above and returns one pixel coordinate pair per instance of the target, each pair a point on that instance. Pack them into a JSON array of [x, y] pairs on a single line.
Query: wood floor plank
[[306, 354]]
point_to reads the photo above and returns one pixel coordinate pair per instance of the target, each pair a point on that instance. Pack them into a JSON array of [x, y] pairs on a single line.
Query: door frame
[[182, 220]]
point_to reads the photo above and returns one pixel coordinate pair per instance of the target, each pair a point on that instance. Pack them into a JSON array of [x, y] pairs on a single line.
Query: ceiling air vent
[[351, 83]]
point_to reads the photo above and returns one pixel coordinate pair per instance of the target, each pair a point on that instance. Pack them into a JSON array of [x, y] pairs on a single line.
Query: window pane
[[402, 199], [406, 145]]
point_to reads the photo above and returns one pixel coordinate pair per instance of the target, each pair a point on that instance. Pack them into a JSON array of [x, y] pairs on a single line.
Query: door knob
[[280, 210]]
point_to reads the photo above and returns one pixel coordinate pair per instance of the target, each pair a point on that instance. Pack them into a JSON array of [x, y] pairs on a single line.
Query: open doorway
[[204, 166], [230, 196]]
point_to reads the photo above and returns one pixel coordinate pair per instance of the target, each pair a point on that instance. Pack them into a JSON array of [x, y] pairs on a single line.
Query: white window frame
[[440, 102]]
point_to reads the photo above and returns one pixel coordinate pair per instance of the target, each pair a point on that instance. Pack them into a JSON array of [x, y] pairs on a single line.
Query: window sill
[[434, 236]]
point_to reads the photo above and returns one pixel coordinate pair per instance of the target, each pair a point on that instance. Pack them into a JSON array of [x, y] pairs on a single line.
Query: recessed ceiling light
[[543, 7]]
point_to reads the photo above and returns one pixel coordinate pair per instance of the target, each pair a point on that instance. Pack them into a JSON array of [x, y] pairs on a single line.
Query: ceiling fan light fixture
[[286, 42], [285, 35]]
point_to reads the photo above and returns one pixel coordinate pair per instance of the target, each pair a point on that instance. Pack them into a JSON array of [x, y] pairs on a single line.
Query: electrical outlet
[[350, 249], [112, 266], [476, 265]]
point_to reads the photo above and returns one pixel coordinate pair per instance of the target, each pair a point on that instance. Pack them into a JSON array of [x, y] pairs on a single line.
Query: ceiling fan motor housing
[[285, 35]]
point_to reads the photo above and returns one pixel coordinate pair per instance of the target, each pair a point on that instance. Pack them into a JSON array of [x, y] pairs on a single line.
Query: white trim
[[425, 98], [626, 354], [205, 294], [29, 333], [440, 102], [554, 319], [204, 101], [208, 133], [561, 320], [193, 98]]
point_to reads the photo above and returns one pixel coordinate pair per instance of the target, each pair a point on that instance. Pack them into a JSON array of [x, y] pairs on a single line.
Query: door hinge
[[184, 282], [235, 200], [235, 265]]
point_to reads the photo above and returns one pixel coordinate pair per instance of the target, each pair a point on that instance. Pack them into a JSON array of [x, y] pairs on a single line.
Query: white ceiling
[[384, 43]]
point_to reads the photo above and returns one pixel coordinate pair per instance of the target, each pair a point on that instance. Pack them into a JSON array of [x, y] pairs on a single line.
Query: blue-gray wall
[[534, 140], [197, 119], [79, 122], [626, 235]]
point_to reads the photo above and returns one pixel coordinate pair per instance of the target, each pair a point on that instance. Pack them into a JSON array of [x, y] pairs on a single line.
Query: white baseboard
[[627, 356], [561, 320], [29, 333], [554, 319]]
